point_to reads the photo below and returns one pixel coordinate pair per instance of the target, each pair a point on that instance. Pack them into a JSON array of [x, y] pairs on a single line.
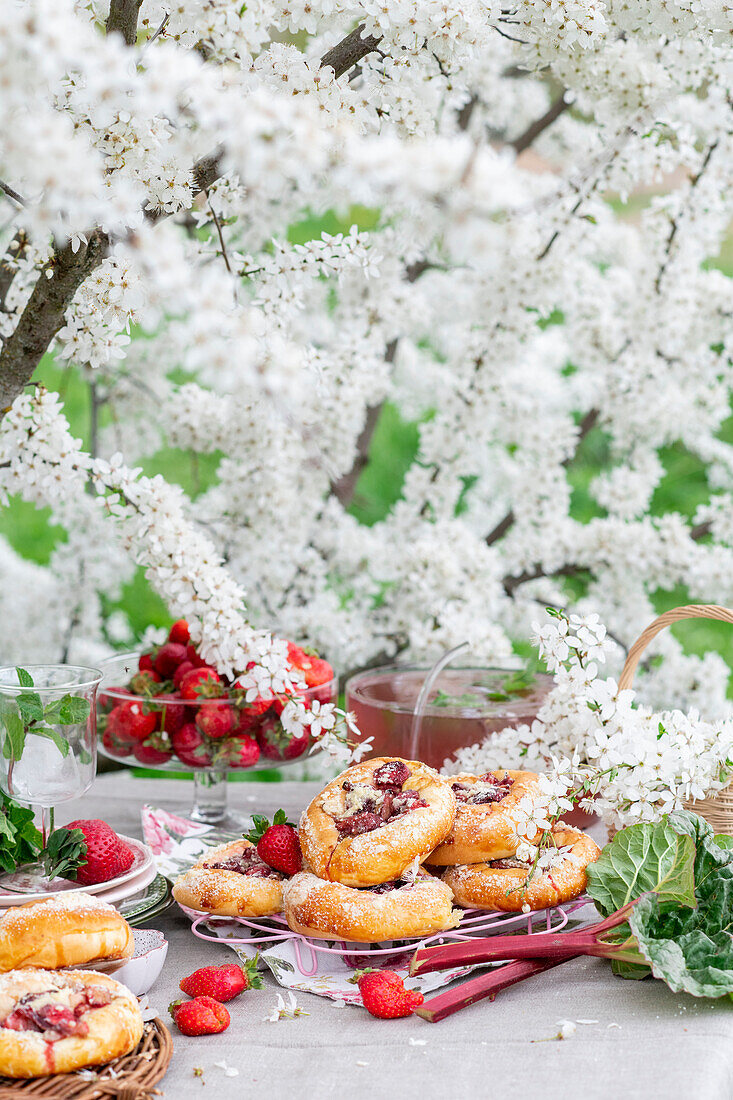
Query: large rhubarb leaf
[[655, 857]]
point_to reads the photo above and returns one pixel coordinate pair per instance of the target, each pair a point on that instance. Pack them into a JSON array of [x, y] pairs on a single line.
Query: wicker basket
[[132, 1077], [718, 808]]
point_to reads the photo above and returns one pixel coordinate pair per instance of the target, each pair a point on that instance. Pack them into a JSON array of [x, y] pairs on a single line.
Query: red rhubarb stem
[[485, 985]]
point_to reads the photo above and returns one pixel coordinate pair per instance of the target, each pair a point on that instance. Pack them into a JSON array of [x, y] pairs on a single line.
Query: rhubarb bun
[[231, 881], [503, 884], [489, 809], [374, 820], [69, 929], [395, 910], [58, 1022]]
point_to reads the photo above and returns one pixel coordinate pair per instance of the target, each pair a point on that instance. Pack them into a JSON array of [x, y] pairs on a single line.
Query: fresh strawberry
[[277, 744], [112, 744], [277, 844], [222, 982], [201, 1016], [190, 747], [155, 749], [131, 722], [315, 670], [214, 719], [107, 854], [175, 716], [383, 994], [180, 633], [145, 664], [201, 683], [183, 668], [168, 658], [146, 682], [252, 709], [239, 752], [193, 655]]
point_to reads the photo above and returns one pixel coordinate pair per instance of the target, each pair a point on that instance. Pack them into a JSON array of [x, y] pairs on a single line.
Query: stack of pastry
[[479, 858], [56, 1021], [388, 847]]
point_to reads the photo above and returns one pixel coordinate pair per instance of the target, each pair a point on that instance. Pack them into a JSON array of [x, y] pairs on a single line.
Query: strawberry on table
[[277, 844], [222, 982], [383, 994], [201, 1016], [107, 854]]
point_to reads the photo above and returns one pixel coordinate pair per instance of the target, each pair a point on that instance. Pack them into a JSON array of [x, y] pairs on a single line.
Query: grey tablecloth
[[666, 1045]]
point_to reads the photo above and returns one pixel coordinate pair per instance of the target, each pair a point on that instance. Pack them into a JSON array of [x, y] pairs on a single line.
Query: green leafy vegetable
[[20, 840], [64, 853], [643, 858]]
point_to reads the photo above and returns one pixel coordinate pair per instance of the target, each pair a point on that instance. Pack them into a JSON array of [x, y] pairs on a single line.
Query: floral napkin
[[176, 845]]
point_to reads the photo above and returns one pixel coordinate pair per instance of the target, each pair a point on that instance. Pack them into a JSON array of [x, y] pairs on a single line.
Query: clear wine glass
[[48, 744]]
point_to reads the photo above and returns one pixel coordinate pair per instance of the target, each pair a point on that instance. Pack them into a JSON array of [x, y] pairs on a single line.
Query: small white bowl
[[141, 972]]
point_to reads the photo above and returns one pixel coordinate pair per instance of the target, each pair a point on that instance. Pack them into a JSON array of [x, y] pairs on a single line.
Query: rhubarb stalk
[[485, 985]]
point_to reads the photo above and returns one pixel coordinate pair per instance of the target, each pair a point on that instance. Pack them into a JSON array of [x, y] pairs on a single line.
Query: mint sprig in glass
[[48, 743]]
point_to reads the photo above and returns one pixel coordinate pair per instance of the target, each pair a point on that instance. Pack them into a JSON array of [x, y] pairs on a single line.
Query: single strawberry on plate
[[277, 844], [201, 1016], [222, 982], [107, 854], [383, 994]]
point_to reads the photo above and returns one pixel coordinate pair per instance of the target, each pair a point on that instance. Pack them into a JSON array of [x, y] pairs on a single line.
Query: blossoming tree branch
[[497, 286]]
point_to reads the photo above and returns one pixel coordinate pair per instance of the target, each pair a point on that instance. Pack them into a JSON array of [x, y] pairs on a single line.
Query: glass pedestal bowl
[[464, 706], [176, 742]]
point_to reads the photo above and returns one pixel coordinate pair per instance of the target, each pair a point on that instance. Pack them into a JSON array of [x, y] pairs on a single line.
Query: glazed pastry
[[392, 911], [66, 930], [374, 820], [52, 1022], [502, 884], [231, 881], [487, 814]]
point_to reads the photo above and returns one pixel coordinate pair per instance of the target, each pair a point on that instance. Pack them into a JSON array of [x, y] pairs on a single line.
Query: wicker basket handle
[[690, 611]]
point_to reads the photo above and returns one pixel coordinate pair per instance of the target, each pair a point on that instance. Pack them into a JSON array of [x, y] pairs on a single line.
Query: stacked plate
[[138, 894]]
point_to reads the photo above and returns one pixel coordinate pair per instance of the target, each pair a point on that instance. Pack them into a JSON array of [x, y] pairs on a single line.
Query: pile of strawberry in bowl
[[169, 709]]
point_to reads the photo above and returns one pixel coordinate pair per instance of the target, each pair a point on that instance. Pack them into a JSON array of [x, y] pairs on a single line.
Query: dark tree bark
[[349, 51], [122, 19]]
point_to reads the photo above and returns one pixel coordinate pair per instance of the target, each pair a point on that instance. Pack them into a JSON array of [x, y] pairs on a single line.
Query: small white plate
[[141, 864], [127, 889]]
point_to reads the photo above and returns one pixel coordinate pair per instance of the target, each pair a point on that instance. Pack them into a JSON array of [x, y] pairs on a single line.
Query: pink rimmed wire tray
[[474, 922]]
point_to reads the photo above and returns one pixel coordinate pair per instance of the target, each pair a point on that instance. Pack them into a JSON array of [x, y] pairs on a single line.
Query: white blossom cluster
[[626, 761], [540, 193]]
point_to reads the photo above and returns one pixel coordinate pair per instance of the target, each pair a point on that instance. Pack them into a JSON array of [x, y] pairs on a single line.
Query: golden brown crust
[[485, 831], [383, 854], [330, 911], [66, 930], [227, 893], [114, 1029], [479, 886]]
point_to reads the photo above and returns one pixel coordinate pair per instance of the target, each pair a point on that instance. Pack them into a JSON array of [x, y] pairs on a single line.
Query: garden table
[[644, 1041]]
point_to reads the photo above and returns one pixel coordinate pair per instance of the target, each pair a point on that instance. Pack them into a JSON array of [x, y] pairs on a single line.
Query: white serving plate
[[142, 865]]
